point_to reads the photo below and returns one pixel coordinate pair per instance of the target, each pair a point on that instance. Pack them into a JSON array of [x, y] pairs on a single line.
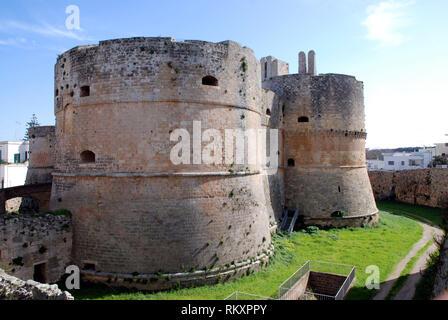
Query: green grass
[[406, 272], [384, 245], [421, 213]]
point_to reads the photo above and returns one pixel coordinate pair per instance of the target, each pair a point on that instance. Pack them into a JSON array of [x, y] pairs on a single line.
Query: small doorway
[[40, 273]]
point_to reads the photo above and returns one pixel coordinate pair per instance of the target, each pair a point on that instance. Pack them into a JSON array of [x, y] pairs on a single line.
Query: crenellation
[[312, 70], [302, 63]]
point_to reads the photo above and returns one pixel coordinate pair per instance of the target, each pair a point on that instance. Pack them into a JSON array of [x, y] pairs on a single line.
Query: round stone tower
[[138, 217], [324, 148]]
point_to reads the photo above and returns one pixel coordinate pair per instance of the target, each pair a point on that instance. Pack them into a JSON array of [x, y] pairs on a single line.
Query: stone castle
[[138, 218]]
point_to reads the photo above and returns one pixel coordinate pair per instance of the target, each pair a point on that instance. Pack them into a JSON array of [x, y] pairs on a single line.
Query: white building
[[373, 165], [441, 149], [429, 149], [401, 161], [13, 163]]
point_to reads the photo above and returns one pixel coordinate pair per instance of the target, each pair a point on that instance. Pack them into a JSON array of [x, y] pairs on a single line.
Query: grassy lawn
[[406, 272], [384, 245], [421, 213]]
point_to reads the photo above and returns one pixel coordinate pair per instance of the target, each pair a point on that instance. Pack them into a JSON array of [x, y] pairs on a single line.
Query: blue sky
[[397, 47]]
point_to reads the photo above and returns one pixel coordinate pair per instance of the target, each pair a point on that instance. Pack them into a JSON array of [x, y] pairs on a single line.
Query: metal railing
[[346, 285], [285, 289], [292, 280], [330, 267], [308, 295], [238, 295]]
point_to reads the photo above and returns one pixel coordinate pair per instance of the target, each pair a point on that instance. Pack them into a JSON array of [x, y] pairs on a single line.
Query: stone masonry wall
[[323, 147], [27, 241], [134, 210], [42, 146], [428, 187], [325, 283]]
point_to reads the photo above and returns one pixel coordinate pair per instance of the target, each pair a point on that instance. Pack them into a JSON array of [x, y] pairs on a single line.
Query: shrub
[[312, 229], [338, 214]]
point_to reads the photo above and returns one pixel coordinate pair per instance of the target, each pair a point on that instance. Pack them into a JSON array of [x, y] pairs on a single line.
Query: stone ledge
[[348, 221], [154, 282], [151, 174]]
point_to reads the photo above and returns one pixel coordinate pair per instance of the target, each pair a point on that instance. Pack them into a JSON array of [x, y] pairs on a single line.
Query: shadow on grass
[[95, 291], [363, 293]]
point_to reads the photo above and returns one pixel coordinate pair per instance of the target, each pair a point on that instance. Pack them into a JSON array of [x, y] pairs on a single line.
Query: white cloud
[[386, 20], [43, 29], [15, 42]]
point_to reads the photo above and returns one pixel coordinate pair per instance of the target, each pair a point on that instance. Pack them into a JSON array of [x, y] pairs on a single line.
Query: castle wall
[[41, 162], [134, 211], [274, 177], [324, 148], [272, 67], [428, 187], [31, 240]]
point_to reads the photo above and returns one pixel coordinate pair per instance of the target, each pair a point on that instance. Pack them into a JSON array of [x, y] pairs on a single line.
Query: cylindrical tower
[[41, 165], [135, 213], [324, 149]]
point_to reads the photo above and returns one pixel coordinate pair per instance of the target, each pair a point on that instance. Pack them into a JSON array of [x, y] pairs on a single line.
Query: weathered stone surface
[[441, 279], [302, 63], [41, 162], [137, 213], [323, 148], [134, 211], [27, 240], [312, 69], [428, 187], [12, 288]]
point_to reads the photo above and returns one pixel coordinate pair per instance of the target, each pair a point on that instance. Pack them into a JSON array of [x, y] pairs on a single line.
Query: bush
[[312, 229], [338, 214]]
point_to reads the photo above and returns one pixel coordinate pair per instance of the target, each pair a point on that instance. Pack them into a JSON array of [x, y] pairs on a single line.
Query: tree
[[31, 124], [439, 160]]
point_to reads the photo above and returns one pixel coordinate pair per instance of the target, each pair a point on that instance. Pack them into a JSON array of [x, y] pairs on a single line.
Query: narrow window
[[268, 112], [210, 81], [56, 93], [303, 119], [40, 274], [265, 70], [85, 91], [17, 158], [87, 157], [339, 188], [291, 163], [89, 266]]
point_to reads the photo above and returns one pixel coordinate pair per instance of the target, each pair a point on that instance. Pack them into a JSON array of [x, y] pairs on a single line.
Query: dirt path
[[408, 289]]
